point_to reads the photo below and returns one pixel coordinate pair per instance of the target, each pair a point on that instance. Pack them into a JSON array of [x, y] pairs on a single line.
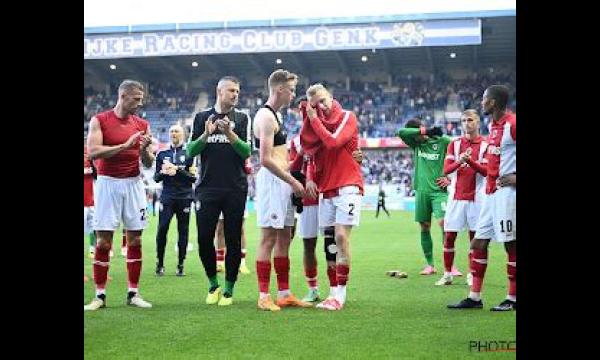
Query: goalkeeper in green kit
[[429, 145]]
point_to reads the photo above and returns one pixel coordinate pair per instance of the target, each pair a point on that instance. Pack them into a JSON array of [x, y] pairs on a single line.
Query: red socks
[[311, 276], [511, 269], [263, 273], [342, 271], [449, 239], [221, 254], [134, 265], [331, 274], [282, 269], [101, 265], [478, 266]]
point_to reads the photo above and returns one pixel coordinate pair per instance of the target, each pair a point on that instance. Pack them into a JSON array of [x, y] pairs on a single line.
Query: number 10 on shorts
[[506, 226]]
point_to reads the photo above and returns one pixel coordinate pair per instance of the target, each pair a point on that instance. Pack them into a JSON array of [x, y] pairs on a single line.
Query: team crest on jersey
[[182, 158], [434, 147], [197, 205], [494, 133], [274, 216]]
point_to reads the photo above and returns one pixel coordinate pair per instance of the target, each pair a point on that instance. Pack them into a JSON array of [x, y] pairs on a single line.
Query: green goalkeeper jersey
[[428, 158]]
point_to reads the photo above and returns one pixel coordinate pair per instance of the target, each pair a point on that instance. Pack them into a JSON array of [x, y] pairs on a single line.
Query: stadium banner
[[287, 39]]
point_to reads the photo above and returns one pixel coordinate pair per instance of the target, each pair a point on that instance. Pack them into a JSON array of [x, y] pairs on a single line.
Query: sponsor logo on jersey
[[493, 150], [434, 147], [426, 156], [218, 138]]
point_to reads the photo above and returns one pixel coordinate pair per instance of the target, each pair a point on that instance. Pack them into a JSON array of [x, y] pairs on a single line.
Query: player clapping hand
[[168, 168], [442, 182], [133, 139], [464, 156]]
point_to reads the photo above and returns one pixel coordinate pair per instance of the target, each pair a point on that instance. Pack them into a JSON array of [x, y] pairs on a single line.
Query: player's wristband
[[241, 148], [195, 147]]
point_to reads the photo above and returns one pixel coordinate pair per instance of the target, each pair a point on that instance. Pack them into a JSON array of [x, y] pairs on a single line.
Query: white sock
[[447, 274], [332, 291], [100, 292], [475, 296], [283, 293], [341, 294], [135, 290], [512, 297], [315, 288], [243, 262], [263, 295]]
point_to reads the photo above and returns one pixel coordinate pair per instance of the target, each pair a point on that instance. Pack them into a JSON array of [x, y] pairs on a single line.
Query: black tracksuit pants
[[181, 209], [209, 206]]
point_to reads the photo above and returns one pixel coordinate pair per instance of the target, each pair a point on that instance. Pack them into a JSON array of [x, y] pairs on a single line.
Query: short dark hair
[[414, 123], [500, 93]]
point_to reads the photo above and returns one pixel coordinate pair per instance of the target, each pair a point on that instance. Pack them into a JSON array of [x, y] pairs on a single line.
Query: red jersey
[[502, 150], [116, 131], [302, 164], [88, 181], [334, 161], [467, 179]]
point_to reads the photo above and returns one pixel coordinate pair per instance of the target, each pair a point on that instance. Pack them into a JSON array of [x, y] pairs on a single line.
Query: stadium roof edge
[[295, 22]]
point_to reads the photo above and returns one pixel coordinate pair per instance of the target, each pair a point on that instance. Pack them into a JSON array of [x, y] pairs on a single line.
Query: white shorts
[[498, 217], [88, 219], [119, 200], [309, 222], [343, 209], [273, 201], [221, 217], [461, 214]]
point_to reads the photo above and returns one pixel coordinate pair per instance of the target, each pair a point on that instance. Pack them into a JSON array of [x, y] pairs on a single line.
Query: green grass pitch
[[384, 318]]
